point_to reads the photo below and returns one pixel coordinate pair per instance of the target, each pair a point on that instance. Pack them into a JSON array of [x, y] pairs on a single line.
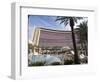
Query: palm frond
[[65, 20], [60, 18]]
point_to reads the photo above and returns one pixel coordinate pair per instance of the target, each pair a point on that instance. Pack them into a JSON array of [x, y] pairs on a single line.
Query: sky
[[46, 22]]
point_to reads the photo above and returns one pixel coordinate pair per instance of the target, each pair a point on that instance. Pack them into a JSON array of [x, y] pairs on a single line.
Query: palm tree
[[82, 34], [71, 21]]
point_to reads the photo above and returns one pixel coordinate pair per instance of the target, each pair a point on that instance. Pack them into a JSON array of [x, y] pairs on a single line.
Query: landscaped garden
[[57, 56]]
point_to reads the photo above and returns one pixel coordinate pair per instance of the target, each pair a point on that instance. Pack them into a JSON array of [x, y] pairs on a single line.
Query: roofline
[[46, 29]]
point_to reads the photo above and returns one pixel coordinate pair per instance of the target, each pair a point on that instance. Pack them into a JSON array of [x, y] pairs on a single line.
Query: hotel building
[[43, 38]]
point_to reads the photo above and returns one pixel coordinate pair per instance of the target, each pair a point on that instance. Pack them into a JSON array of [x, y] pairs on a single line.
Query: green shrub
[[68, 62], [55, 63], [38, 64]]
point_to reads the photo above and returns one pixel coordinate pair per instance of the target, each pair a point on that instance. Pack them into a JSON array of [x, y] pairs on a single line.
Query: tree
[[82, 34], [71, 21]]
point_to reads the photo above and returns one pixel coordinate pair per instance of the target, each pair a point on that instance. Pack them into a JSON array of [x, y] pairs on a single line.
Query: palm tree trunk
[[76, 59]]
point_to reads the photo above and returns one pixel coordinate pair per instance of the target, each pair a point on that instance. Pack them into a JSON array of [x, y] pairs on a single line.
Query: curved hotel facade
[[43, 37], [48, 37]]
